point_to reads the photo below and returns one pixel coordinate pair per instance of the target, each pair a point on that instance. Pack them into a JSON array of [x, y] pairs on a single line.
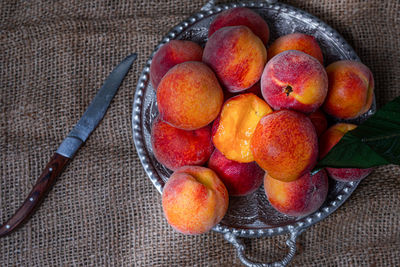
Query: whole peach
[[189, 96], [351, 89], [237, 56], [294, 80], [239, 178], [194, 200], [328, 140], [297, 198], [285, 145], [296, 41], [170, 54], [241, 16], [176, 148]]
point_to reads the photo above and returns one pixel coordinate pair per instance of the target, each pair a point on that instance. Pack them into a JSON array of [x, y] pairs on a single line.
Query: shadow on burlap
[[103, 210]]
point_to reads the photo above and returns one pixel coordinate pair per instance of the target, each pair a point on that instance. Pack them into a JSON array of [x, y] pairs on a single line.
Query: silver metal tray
[[250, 216]]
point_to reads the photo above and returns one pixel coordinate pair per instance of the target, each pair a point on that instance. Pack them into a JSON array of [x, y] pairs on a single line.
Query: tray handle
[[211, 3], [240, 247]]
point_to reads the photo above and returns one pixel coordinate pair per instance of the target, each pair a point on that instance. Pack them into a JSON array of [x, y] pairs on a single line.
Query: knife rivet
[[50, 169], [31, 199], [7, 226]]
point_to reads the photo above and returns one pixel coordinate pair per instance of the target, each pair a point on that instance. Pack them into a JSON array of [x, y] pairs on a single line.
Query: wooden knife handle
[[37, 194]]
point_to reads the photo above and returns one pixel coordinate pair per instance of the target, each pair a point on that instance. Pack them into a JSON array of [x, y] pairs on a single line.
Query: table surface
[[103, 210]]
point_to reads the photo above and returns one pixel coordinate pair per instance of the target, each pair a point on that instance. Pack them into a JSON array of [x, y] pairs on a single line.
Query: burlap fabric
[[103, 210]]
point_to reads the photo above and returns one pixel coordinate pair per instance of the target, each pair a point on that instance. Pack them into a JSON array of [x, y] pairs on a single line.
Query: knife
[[65, 152]]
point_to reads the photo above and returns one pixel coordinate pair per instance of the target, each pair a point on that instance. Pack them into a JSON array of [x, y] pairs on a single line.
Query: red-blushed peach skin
[[171, 54], [296, 41], [348, 174], [233, 128], [328, 140], [255, 89], [239, 178], [241, 16], [294, 80], [176, 148], [237, 56], [189, 96], [285, 145], [319, 121], [194, 200], [351, 89], [300, 197]]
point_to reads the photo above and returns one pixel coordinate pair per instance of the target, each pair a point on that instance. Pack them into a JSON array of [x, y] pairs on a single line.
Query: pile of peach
[[234, 115]]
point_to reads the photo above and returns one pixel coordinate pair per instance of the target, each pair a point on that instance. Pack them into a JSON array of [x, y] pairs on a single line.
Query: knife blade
[[74, 140]]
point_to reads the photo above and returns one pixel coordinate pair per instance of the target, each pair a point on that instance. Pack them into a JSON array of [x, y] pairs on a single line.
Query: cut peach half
[[235, 126]]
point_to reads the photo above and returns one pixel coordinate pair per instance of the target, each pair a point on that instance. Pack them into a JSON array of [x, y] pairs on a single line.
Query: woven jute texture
[[103, 210]]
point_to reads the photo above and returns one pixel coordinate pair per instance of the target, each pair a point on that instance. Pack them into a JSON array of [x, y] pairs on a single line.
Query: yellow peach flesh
[[238, 120]]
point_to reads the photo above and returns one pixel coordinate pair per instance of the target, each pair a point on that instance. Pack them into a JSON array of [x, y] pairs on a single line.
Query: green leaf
[[374, 142]]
